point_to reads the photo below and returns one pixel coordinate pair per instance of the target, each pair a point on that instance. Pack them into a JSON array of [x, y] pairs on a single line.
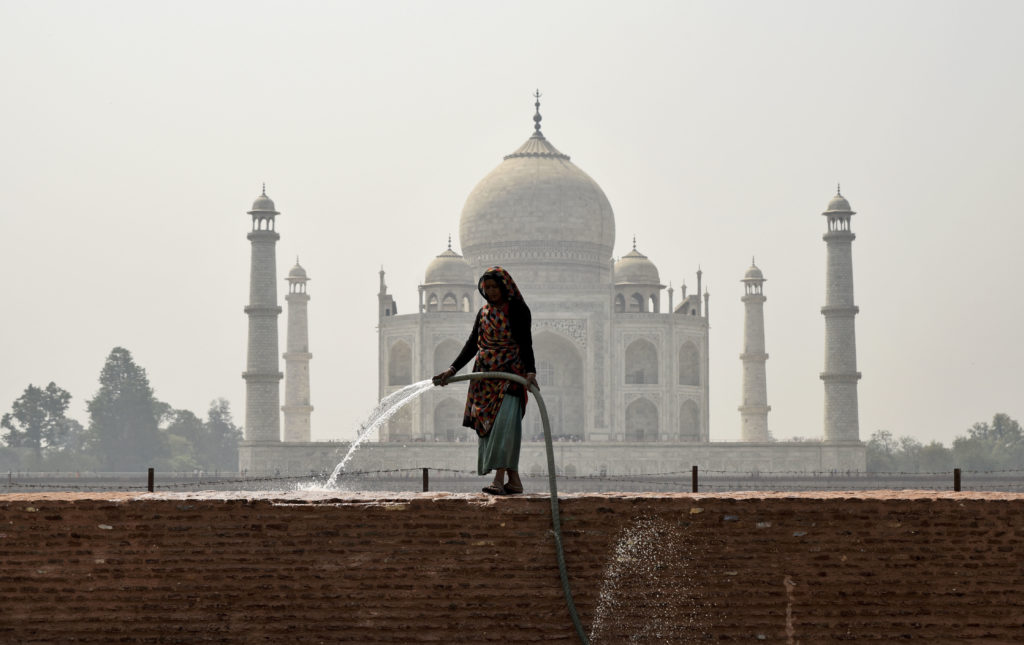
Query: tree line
[[129, 428], [998, 445]]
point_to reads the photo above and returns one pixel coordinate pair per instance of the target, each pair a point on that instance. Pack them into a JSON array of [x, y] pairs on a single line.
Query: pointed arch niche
[[689, 364], [641, 364], [689, 421], [560, 374], [448, 421], [641, 421], [399, 364], [445, 352]]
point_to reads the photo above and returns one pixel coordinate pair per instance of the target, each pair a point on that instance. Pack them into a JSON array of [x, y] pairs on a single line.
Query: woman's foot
[[514, 486], [494, 489]]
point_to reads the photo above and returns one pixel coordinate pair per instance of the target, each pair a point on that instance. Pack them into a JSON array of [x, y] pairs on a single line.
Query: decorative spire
[[449, 241], [537, 117], [634, 241], [839, 193], [296, 259], [752, 263], [264, 189]]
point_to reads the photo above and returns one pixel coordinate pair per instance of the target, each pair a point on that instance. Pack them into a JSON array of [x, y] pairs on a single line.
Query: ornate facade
[[624, 380], [613, 367]]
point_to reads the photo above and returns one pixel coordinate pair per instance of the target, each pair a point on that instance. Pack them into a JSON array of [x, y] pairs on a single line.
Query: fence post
[[426, 480], [956, 480], [694, 477], [150, 480]]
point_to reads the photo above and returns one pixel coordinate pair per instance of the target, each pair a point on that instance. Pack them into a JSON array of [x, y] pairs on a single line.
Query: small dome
[[263, 204], [297, 272], [635, 268], [839, 204], [449, 268], [753, 273]]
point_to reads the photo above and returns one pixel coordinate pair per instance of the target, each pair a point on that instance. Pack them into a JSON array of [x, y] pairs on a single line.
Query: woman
[[502, 342]]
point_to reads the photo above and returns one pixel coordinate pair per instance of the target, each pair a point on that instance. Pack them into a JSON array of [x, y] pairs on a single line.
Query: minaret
[[840, 375], [754, 411], [296, 406], [262, 377]]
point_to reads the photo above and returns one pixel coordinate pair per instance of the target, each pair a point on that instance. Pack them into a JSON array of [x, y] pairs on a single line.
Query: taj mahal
[[623, 365]]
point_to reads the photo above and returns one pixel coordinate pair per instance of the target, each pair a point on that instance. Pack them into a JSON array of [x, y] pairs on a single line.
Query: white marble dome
[[449, 268], [297, 272], [753, 273], [838, 205], [541, 217], [636, 268], [263, 204]]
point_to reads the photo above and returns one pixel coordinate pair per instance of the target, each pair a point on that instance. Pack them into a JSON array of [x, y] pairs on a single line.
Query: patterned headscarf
[[502, 277]]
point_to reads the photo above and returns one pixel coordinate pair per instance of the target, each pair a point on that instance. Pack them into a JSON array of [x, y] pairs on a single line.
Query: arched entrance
[[560, 374]]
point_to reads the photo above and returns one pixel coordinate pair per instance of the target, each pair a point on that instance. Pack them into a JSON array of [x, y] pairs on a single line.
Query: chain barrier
[[710, 480]]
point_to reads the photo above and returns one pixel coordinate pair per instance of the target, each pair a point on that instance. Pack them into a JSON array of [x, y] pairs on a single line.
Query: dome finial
[[264, 189], [537, 117], [634, 241], [839, 193], [449, 241]]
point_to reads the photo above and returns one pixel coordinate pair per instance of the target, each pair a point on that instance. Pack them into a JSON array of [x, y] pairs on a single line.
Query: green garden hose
[[552, 488]]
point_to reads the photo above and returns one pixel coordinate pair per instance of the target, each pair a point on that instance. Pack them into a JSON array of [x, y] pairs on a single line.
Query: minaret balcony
[[840, 310], [263, 235], [837, 377], [263, 310], [839, 236]]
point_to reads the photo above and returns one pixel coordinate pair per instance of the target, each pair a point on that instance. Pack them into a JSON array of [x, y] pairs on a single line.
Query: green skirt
[[500, 448]]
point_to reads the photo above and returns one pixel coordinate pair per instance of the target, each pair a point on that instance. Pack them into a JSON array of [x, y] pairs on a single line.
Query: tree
[[37, 420], [220, 452], [885, 453], [184, 434], [124, 416], [991, 446], [72, 453], [881, 452], [936, 458]]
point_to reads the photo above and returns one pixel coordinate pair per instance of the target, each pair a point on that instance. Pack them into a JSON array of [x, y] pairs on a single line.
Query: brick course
[[436, 567]]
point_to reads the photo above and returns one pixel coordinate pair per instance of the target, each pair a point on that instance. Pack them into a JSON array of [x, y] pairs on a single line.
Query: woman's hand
[[531, 378], [442, 378]]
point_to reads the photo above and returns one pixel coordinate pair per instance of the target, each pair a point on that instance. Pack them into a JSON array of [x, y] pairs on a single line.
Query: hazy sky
[[134, 137]]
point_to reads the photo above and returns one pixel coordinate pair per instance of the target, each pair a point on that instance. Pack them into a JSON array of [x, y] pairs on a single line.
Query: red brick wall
[[783, 568]]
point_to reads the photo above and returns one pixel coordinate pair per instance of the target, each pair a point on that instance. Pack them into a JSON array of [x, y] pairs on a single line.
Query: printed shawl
[[497, 351]]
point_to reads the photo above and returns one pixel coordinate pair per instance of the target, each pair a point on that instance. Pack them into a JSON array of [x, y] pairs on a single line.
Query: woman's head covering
[[504, 280]]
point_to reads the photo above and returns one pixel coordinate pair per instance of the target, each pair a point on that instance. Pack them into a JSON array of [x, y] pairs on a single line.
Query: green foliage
[[995, 446], [129, 429], [986, 446], [220, 449], [124, 416], [36, 420], [197, 445]]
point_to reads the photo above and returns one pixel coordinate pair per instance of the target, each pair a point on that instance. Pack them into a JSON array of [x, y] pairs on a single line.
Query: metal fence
[[464, 481]]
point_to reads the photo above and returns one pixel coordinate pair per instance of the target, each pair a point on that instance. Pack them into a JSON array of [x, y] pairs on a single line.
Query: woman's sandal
[[509, 490], [494, 489]]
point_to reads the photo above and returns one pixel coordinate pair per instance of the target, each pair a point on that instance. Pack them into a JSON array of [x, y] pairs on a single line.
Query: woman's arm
[[468, 351]]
